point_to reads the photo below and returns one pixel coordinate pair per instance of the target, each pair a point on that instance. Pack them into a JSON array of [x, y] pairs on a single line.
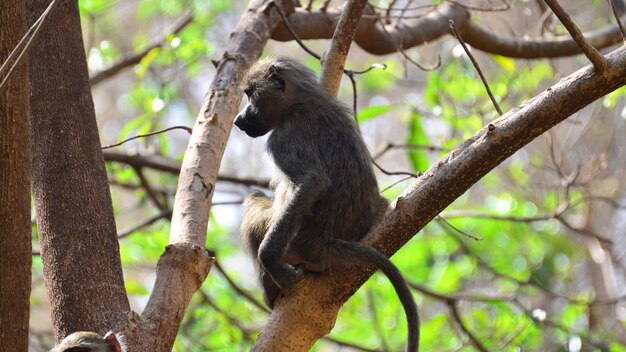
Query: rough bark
[[409, 33], [318, 298], [79, 247], [15, 232]]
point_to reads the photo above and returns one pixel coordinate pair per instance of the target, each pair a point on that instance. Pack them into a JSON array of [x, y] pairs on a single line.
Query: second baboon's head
[[273, 86]]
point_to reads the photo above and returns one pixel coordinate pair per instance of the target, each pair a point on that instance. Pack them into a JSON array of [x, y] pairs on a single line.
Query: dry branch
[[410, 33]]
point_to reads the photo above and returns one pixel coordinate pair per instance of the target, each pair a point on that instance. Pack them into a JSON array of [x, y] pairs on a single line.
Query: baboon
[[85, 341], [326, 195]]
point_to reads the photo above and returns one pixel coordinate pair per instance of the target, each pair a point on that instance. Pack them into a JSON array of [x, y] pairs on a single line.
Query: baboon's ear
[[112, 340], [275, 75]]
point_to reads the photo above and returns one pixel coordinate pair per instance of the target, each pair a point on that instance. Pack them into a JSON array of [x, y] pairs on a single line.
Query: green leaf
[[135, 288], [145, 62], [373, 111], [417, 136], [505, 62]]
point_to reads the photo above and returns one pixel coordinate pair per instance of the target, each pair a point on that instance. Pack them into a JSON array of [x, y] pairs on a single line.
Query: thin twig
[[391, 173], [161, 163], [442, 219], [149, 190], [350, 75], [472, 337], [390, 146], [395, 183], [400, 49], [618, 19], [230, 317], [309, 6], [325, 5], [388, 11], [188, 129], [476, 8], [239, 290], [166, 214], [35, 32], [599, 62], [135, 58], [480, 73], [376, 320], [403, 11], [413, 8], [293, 33]]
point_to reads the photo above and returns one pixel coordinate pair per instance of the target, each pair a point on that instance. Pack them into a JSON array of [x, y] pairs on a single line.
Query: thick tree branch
[[334, 60], [318, 298], [413, 32]]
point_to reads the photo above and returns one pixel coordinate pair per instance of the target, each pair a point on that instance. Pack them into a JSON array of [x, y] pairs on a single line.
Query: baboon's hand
[[285, 275]]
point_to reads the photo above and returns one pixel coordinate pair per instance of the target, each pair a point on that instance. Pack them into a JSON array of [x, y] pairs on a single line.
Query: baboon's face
[[265, 107]]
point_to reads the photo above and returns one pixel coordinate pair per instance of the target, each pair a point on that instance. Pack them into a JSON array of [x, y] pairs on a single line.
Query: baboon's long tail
[[350, 252]]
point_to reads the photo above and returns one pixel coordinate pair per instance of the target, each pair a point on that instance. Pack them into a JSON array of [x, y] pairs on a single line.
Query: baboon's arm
[[308, 185]]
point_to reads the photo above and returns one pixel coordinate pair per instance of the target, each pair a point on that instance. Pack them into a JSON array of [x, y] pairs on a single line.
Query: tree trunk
[[79, 247], [15, 232]]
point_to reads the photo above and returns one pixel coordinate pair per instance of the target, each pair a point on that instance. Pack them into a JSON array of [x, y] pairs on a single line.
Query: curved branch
[[374, 39]]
